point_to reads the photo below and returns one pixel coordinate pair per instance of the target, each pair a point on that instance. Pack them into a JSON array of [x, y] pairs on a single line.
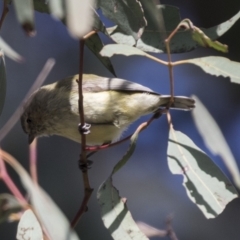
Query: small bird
[[110, 106]]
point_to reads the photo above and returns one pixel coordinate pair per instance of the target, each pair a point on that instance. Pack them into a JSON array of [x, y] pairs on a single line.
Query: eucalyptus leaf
[[115, 215], [214, 139], [95, 44], [112, 49], [218, 66], [204, 182], [152, 39], [41, 6], [128, 15], [3, 81], [29, 227], [56, 8], [25, 15], [48, 213], [79, 17]]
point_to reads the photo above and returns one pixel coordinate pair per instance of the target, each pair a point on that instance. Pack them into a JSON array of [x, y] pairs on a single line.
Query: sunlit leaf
[[3, 81], [115, 215], [204, 182], [112, 49], [218, 66], [128, 15], [8, 205], [56, 8], [29, 227], [8, 51], [152, 39], [214, 139], [79, 17], [95, 44], [204, 41], [25, 15]]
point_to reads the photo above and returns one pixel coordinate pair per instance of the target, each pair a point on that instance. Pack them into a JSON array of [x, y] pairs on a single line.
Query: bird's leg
[[84, 129]]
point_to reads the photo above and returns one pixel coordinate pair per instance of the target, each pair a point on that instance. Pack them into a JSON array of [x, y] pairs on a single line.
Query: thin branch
[[83, 156], [9, 183], [4, 13], [105, 146]]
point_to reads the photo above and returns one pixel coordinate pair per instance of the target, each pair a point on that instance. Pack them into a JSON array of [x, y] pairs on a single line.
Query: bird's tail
[[180, 102]]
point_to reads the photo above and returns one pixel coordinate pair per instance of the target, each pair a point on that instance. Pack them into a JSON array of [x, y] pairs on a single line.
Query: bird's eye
[[29, 120]]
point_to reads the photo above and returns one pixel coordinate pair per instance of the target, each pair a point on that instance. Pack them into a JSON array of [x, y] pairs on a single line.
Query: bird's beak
[[30, 138]]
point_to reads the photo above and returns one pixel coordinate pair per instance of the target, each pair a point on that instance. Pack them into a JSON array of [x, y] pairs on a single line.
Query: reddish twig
[[83, 156], [170, 232], [9, 183]]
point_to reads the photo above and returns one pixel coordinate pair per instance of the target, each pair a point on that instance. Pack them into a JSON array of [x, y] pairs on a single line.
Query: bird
[[110, 106]]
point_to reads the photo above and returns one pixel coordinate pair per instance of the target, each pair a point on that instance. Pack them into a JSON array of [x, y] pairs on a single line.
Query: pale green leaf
[[204, 41], [217, 31], [128, 15], [112, 49], [79, 17], [214, 139], [25, 15], [3, 81], [128, 154], [116, 217], [48, 213], [204, 182], [152, 39], [8, 51], [29, 227], [218, 66], [56, 8], [8, 205]]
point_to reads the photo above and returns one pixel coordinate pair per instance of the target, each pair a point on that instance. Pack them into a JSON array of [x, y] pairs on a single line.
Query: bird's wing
[[94, 83]]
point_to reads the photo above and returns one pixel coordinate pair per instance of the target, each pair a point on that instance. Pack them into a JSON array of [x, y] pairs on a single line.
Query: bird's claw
[[84, 129]]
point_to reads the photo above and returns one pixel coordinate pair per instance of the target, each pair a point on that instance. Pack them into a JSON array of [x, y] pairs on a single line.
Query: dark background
[[152, 191]]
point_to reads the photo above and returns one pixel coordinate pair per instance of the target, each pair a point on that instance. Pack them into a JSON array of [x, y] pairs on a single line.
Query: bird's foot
[[84, 129]]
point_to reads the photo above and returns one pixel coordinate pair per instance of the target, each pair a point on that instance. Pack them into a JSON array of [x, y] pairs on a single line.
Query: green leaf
[[25, 15], [95, 44], [152, 40], [48, 213], [56, 8], [8, 205], [128, 154], [3, 81], [214, 139], [204, 41], [116, 217], [79, 17], [128, 15], [218, 66], [204, 182], [217, 31], [29, 227], [41, 6], [112, 49], [9, 51]]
